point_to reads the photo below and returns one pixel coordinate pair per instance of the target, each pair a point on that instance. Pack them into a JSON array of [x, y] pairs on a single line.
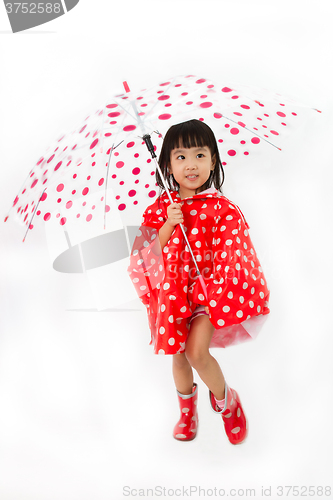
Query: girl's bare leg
[[182, 373], [199, 357]]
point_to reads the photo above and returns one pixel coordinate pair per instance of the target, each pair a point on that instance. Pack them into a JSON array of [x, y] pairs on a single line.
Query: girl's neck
[[187, 193]]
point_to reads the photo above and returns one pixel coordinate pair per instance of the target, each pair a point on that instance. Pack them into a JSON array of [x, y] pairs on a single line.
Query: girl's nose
[[191, 165]]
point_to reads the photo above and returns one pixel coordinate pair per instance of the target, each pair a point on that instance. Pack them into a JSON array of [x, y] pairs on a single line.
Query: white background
[[85, 407]]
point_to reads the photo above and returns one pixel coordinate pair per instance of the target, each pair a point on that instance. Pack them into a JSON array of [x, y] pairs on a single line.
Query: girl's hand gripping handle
[[175, 216]]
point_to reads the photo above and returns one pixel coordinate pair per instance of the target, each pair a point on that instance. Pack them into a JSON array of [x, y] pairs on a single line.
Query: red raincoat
[[167, 284]]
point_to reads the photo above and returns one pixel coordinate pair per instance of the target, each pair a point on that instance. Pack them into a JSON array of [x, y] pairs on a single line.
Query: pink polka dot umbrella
[[103, 166]]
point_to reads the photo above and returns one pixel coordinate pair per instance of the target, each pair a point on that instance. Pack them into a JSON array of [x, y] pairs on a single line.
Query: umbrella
[[102, 171]]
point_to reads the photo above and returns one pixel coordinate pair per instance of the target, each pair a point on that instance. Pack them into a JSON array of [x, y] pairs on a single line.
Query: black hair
[[190, 134]]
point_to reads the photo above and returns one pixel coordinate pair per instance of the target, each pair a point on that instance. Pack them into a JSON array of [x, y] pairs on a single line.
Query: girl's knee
[[180, 360], [197, 358]]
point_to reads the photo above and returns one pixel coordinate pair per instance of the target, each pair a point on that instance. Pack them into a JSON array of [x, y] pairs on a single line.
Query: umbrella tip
[[126, 87]]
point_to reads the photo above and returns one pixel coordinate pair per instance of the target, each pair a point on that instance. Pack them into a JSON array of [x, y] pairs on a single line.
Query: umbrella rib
[[106, 180], [136, 116], [125, 110], [107, 171], [33, 215]]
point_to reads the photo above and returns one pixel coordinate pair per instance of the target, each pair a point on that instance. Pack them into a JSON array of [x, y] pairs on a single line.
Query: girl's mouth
[[192, 177]]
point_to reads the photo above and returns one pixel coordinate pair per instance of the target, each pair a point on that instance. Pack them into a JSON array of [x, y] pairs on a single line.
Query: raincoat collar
[[207, 193]]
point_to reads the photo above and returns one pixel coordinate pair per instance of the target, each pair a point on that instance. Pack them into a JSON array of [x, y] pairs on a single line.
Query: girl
[[185, 318]]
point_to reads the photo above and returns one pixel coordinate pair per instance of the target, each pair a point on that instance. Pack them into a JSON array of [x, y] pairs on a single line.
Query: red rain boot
[[186, 428], [233, 416]]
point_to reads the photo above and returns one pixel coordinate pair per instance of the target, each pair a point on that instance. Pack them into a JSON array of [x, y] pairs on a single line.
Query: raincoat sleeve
[[146, 267], [155, 215], [237, 288]]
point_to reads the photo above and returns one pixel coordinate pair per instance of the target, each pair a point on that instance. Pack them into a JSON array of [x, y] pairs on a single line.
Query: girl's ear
[[213, 162]]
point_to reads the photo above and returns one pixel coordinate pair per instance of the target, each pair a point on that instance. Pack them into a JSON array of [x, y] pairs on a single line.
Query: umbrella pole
[[150, 147]]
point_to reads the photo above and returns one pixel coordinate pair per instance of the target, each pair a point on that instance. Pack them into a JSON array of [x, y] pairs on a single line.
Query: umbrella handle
[[150, 147]]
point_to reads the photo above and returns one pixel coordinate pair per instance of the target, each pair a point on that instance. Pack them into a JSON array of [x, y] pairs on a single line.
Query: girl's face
[[191, 168]]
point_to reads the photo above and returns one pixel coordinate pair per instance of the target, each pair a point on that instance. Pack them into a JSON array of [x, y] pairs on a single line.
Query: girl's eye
[[180, 157], [200, 155]]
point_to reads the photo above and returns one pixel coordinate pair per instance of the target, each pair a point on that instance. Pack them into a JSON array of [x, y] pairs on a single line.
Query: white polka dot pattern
[[236, 286]]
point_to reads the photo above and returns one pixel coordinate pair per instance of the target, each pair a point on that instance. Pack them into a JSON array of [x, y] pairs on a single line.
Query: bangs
[[190, 134]]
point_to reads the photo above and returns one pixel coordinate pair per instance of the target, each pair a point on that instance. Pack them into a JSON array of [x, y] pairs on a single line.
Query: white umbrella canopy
[[106, 150]]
